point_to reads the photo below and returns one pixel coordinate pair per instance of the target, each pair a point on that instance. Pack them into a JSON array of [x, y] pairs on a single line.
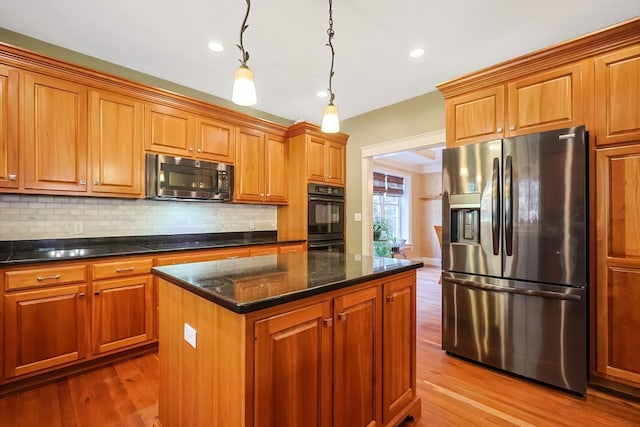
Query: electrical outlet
[[357, 217], [190, 335], [78, 227]]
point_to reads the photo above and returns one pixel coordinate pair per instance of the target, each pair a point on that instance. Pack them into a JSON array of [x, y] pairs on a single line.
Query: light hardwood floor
[[454, 392]]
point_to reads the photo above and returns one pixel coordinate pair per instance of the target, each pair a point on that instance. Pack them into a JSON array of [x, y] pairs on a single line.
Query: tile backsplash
[[25, 217]]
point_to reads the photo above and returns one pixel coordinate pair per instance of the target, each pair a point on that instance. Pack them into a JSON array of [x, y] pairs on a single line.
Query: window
[[390, 201]]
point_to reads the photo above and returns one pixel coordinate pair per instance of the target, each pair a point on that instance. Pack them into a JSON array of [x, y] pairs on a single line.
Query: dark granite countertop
[[244, 285], [35, 251]]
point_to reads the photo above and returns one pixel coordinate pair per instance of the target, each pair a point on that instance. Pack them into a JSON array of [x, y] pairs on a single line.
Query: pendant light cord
[[245, 54], [331, 33]]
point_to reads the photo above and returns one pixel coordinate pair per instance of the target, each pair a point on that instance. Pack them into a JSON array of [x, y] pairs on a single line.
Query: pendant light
[[330, 120], [244, 87]]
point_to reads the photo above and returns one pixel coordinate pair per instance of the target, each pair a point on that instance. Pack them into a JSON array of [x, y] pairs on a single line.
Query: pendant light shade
[[244, 87], [330, 120]]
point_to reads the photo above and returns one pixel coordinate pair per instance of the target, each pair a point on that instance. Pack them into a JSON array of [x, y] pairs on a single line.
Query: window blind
[[388, 184]]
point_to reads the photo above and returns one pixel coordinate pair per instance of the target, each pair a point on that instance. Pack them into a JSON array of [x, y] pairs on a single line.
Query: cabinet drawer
[[204, 256], [38, 277], [121, 268]]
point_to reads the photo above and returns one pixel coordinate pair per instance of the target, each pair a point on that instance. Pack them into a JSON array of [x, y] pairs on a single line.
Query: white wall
[[51, 217]]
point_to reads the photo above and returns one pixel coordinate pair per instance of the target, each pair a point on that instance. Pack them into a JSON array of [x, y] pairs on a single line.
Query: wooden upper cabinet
[[275, 169], [475, 117], [336, 163], [617, 77], [169, 130], [55, 134], [9, 85], [115, 144], [325, 161], [545, 101], [536, 103], [260, 173], [249, 170], [618, 264], [215, 140]]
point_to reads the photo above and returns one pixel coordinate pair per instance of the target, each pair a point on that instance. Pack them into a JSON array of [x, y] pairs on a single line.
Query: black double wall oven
[[326, 218]]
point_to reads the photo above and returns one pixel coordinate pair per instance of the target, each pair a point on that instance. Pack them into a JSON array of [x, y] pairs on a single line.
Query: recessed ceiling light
[[416, 53], [216, 47], [322, 94]]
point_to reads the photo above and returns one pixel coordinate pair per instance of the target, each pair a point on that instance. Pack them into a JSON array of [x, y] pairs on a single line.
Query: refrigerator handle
[[508, 207], [495, 206]]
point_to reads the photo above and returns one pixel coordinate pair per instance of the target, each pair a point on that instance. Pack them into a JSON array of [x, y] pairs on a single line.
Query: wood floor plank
[[454, 392]]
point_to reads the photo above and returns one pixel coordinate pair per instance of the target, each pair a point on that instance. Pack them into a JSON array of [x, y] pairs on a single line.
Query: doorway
[[418, 160]]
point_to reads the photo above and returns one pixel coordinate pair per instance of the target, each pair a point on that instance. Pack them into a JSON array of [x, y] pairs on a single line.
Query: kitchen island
[[313, 339]]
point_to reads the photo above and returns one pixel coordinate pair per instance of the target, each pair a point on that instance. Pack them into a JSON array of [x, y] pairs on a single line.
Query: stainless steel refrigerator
[[514, 255]]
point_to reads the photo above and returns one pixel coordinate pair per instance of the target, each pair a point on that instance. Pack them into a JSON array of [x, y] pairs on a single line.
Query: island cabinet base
[[344, 358]]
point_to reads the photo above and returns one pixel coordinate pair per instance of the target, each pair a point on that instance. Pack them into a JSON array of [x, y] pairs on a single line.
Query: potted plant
[[381, 229]]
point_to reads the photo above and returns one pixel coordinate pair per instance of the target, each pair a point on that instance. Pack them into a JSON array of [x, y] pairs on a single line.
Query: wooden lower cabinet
[[357, 338], [617, 287], [399, 347], [323, 361], [293, 368], [122, 313], [44, 328]]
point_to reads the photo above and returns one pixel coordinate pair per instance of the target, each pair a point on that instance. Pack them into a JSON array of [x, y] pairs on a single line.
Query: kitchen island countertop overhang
[[250, 284]]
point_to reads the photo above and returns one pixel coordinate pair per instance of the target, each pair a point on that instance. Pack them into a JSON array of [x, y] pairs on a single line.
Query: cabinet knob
[[342, 316], [83, 182], [96, 182], [328, 322], [81, 295], [199, 150], [190, 148], [390, 298], [261, 194], [512, 127], [96, 293], [12, 177], [499, 130]]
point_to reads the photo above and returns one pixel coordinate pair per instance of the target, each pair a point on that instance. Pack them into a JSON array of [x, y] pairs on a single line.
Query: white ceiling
[[287, 42]]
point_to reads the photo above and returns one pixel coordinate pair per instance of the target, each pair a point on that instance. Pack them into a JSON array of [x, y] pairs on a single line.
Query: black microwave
[[178, 178]]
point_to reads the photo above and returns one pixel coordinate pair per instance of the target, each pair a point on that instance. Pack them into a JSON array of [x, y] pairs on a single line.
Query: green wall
[[44, 48], [414, 116]]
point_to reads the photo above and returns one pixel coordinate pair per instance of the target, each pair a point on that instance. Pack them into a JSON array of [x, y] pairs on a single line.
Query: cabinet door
[[44, 328], [398, 345], [475, 117], [168, 130], [55, 134], [618, 267], [122, 313], [9, 80], [249, 170], [275, 169], [293, 368], [115, 144], [618, 96], [215, 141], [546, 101], [335, 163], [316, 168], [356, 357]]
